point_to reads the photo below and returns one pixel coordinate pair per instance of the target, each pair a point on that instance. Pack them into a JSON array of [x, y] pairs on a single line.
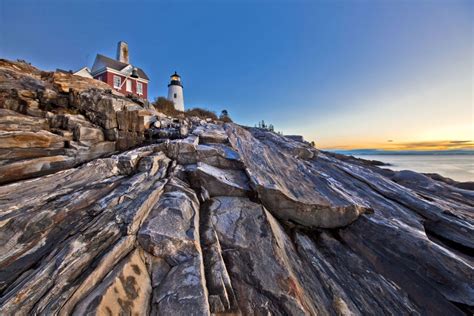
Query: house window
[[175, 96], [129, 85], [99, 78], [117, 82], [139, 88]]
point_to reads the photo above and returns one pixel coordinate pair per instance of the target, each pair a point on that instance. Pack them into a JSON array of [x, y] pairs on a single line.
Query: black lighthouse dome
[[175, 80]]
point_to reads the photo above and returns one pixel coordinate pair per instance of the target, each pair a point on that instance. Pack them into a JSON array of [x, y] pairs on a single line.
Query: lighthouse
[[175, 92]]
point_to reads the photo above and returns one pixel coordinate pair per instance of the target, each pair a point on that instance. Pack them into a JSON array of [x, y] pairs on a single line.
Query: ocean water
[[456, 167]]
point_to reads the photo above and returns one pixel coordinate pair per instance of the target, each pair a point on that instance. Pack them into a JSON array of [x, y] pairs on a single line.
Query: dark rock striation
[[97, 218]]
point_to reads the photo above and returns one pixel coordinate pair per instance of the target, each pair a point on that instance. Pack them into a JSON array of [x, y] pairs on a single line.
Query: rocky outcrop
[[290, 185], [53, 121], [218, 219]]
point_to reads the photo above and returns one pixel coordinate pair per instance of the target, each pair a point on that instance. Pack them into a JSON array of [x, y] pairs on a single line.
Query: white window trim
[[128, 85], [106, 69], [119, 82], [139, 88]]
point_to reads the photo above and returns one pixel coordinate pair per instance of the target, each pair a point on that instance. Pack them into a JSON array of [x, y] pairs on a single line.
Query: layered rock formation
[[225, 220], [52, 121]]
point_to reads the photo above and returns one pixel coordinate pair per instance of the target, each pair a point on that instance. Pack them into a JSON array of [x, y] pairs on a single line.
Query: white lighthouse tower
[[175, 92]]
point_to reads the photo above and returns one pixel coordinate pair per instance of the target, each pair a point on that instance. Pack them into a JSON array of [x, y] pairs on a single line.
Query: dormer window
[[117, 82]]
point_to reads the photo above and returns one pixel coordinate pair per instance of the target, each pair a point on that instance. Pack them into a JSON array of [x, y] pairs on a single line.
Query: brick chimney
[[122, 52]]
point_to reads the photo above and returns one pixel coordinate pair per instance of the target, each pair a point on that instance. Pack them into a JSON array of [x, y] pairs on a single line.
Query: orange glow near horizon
[[419, 145], [422, 137], [419, 124]]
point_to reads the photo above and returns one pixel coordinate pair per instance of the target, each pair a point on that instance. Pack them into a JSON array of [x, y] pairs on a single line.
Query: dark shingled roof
[[117, 65]]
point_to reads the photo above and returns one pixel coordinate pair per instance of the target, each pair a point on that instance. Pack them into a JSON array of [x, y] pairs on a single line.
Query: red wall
[[108, 78]]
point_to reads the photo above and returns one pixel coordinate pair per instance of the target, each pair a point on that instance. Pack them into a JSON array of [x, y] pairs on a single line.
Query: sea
[[456, 167]]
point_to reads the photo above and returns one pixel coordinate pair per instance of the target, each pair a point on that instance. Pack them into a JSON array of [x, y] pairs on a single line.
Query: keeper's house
[[119, 73]]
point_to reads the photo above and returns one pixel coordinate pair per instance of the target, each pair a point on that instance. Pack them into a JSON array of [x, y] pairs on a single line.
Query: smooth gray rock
[[182, 291], [299, 275], [211, 134], [221, 293], [217, 182], [181, 150], [169, 231], [290, 188], [220, 156]]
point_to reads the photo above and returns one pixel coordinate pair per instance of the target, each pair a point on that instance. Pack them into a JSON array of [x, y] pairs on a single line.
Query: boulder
[[65, 82], [169, 231], [304, 277], [253, 236], [219, 182], [30, 139], [290, 188], [69, 122], [126, 140], [149, 120], [183, 131], [86, 152], [34, 167], [14, 121], [211, 133], [221, 293], [128, 162], [220, 156], [10, 155], [155, 163], [182, 150], [88, 134], [182, 291]]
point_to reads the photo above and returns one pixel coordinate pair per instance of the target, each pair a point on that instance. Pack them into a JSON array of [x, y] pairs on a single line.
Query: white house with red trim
[[118, 73]]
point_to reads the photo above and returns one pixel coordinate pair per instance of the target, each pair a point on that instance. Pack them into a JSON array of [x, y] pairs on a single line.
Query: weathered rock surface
[[227, 182], [291, 187], [53, 121], [126, 290], [220, 219]]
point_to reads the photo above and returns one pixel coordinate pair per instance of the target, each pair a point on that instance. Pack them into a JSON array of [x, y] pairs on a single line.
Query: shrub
[[165, 106], [224, 117], [201, 113], [226, 120]]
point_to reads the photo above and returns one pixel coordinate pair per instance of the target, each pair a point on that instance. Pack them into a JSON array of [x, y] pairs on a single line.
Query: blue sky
[[347, 74]]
